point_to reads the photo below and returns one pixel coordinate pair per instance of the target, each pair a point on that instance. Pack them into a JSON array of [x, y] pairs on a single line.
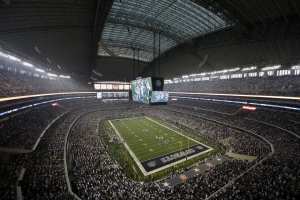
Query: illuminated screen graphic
[[159, 96], [141, 90], [112, 95], [149, 90]]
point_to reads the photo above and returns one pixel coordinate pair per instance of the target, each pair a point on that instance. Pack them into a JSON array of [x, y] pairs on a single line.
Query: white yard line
[[138, 162], [178, 132]]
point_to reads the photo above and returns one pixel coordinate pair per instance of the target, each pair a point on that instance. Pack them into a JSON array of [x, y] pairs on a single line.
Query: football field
[[154, 145]]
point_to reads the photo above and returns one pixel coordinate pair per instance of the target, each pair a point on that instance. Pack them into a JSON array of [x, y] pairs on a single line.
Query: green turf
[[148, 139]]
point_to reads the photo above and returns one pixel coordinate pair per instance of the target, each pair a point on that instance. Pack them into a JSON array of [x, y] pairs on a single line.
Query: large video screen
[[111, 86], [112, 95], [159, 97], [141, 90]]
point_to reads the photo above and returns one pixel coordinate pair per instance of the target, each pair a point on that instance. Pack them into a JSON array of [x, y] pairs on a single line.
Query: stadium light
[[250, 108], [39, 70], [52, 75], [54, 104], [3, 54], [14, 58], [271, 68], [168, 81], [295, 67], [249, 68], [63, 76], [234, 69], [27, 64]]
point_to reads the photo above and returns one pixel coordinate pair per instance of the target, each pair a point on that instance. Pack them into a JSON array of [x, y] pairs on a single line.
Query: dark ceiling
[[65, 34], [59, 34]]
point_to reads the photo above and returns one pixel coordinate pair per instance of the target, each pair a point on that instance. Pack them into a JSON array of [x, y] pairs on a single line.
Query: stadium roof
[[134, 28]]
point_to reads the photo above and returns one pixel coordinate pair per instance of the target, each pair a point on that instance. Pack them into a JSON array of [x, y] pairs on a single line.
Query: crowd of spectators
[[14, 83], [44, 166], [94, 174], [8, 175], [285, 85], [235, 140], [44, 177], [23, 129], [287, 121], [277, 176]]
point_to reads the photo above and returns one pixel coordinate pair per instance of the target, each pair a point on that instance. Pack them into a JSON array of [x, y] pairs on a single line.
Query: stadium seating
[[15, 83], [287, 85], [93, 174]]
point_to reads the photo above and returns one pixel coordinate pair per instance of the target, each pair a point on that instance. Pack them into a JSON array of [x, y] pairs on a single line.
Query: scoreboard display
[[149, 91], [112, 86], [159, 96]]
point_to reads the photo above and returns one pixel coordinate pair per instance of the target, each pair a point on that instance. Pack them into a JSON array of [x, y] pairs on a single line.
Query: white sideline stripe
[[239, 95], [129, 150], [132, 154], [179, 161]]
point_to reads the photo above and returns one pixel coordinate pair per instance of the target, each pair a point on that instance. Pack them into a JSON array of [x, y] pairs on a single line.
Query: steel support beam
[[101, 12]]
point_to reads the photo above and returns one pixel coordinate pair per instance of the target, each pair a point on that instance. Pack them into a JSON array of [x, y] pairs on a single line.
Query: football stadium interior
[[149, 99]]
